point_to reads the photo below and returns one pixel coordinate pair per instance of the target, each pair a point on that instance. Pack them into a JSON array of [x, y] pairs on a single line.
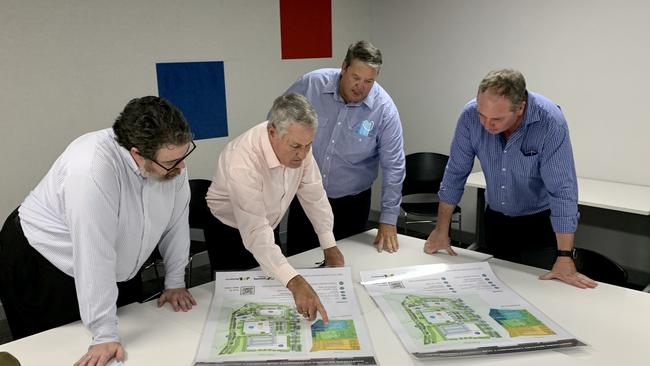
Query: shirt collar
[[332, 87], [531, 113], [267, 150]]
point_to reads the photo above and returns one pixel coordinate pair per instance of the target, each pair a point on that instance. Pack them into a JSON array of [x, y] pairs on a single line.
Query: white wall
[[69, 67], [589, 56]]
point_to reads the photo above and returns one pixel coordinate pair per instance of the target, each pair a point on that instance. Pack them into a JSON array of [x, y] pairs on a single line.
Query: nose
[[181, 165], [302, 153]]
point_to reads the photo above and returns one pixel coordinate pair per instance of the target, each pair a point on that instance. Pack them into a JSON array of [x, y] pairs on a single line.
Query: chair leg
[[160, 285], [406, 223], [189, 272]]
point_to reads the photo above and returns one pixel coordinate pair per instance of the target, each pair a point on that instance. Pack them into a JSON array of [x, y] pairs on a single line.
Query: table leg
[[480, 217]]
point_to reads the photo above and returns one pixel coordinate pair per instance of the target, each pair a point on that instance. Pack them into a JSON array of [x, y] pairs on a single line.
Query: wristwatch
[[566, 253]]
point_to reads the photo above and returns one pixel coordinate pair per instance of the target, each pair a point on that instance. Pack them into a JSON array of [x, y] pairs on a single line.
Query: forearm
[[445, 212], [565, 241]]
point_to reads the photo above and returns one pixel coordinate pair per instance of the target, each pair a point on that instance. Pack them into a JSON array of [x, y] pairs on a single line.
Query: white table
[[614, 321], [614, 196]]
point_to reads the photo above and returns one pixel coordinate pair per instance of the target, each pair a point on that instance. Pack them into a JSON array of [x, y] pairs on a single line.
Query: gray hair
[[506, 82], [292, 108], [365, 52]]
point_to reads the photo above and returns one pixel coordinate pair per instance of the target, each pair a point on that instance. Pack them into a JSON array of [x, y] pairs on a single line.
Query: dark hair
[[506, 82], [148, 123], [365, 52]]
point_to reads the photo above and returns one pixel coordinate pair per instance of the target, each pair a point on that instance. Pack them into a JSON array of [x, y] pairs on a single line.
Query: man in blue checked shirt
[[359, 130], [522, 141]]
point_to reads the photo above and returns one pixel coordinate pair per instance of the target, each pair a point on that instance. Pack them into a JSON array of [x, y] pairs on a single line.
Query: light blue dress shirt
[[531, 172], [354, 139]]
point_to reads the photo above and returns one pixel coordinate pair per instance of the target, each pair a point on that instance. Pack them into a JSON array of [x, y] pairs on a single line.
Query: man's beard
[[146, 173]]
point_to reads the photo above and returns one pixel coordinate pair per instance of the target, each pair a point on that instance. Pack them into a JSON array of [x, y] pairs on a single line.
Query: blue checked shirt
[[531, 172], [353, 140]]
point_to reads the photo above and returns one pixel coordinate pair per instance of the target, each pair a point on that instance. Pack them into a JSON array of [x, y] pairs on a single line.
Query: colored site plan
[[253, 320], [443, 319], [263, 327], [520, 322], [277, 328], [460, 310], [337, 335]]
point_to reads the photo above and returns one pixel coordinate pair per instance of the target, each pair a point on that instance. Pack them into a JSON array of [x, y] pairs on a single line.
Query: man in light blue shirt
[[522, 141], [359, 130]]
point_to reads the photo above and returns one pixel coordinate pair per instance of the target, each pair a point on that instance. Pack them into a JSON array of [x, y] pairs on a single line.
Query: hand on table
[[436, 241], [101, 354], [178, 298], [387, 238], [333, 257], [565, 270]]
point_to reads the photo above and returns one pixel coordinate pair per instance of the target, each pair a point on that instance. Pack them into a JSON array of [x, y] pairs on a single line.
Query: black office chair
[[199, 218], [599, 268], [424, 172]]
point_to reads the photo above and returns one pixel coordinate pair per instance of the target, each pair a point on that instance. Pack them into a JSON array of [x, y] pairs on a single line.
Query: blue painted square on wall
[[198, 89]]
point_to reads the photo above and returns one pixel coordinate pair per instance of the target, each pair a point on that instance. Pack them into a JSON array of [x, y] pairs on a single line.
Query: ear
[[272, 132], [522, 107], [135, 154], [344, 66]]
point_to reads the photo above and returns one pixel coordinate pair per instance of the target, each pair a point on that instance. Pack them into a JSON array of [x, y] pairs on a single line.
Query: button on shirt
[[251, 190], [354, 139], [531, 172], [95, 218]]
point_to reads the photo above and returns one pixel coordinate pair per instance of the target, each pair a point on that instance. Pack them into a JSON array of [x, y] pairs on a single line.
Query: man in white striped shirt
[[87, 228]]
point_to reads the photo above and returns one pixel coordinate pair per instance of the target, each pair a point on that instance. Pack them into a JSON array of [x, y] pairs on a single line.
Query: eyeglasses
[[191, 148]]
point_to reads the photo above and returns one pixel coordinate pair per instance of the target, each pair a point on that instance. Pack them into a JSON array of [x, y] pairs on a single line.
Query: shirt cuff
[[564, 225], [450, 196], [175, 281], [327, 240], [388, 218], [285, 273], [105, 333]]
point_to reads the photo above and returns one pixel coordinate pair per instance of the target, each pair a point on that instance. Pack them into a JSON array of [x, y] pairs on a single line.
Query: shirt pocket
[[355, 148], [526, 166]]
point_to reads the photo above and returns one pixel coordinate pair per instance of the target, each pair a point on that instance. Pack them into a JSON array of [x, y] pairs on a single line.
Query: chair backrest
[[199, 211], [424, 172], [599, 268]]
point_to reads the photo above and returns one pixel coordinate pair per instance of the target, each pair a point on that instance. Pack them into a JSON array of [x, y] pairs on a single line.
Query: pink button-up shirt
[[251, 191]]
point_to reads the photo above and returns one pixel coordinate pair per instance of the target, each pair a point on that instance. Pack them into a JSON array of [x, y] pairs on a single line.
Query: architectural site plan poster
[[253, 321], [442, 310]]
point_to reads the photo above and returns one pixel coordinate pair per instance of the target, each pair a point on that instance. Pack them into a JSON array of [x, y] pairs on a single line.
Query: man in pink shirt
[[256, 177]]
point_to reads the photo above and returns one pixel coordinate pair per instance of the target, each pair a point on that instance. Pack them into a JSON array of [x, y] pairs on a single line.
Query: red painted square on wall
[[306, 28]]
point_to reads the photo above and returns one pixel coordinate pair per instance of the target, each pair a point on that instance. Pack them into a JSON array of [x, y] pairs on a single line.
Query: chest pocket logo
[[365, 127], [359, 142]]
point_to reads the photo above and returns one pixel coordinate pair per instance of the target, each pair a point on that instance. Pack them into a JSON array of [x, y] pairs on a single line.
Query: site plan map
[[253, 321], [460, 310]]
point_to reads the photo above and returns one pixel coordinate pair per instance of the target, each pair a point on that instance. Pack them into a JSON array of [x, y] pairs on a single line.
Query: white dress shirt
[[97, 219], [251, 190]]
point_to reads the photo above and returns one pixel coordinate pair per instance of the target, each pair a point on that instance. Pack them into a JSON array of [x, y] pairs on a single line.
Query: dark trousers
[[35, 294], [226, 248], [526, 239], [350, 218]]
